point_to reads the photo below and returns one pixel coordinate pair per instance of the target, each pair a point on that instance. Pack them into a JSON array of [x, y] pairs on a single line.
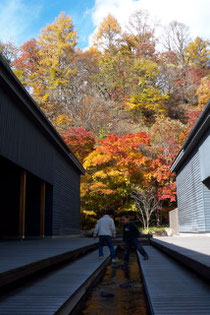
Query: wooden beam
[[22, 209], [42, 209]]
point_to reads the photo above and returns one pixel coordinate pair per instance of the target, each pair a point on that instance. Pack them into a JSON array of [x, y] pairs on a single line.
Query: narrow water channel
[[128, 298]]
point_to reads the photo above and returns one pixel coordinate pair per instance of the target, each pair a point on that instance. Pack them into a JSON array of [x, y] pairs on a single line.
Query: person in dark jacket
[[130, 237]]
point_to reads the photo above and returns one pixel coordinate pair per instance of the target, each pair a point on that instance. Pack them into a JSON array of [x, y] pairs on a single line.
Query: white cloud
[[15, 20], [194, 13]]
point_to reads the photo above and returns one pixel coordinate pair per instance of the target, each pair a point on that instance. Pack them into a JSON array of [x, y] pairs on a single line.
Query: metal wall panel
[[190, 196], [174, 220], [22, 142], [66, 200], [204, 155], [206, 196]]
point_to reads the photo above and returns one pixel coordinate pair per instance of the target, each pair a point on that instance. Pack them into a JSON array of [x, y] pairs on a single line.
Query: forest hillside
[[124, 106]]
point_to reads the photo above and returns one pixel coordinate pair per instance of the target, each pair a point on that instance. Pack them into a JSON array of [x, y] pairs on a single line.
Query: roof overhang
[[198, 131], [13, 85]]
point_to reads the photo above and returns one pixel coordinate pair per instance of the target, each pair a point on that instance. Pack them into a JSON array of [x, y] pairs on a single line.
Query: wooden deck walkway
[[193, 251], [57, 291], [172, 289], [22, 258]]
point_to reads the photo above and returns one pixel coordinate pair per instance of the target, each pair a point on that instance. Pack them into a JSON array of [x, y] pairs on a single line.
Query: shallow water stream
[[129, 299]]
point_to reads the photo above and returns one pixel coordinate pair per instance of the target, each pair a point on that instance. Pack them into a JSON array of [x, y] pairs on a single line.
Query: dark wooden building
[[192, 166], [39, 175]]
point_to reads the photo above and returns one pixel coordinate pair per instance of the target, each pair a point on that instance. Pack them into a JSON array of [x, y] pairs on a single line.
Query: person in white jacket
[[105, 229]]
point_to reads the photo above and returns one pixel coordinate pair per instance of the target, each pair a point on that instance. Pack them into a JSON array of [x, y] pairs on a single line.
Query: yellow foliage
[[61, 119], [108, 25], [56, 49], [87, 212], [203, 92], [100, 174], [197, 53], [116, 176], [149, 98], [100, 188], [108, 33], [96, 158], [45, 97]]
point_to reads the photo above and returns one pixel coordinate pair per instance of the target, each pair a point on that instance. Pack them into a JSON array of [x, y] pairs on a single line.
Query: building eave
[[14, 86], [198, 131]]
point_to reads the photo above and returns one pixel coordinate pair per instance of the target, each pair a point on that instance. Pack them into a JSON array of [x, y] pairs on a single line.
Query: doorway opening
[[33, 202], [9, 201]]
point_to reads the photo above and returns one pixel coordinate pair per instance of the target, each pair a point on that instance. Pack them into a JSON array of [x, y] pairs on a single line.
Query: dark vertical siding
[[22, 142], [25, 143], [190, 196], [66, 202]]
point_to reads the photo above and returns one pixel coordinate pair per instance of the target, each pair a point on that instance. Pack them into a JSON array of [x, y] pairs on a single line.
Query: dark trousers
[[137, 245], [108, 240]]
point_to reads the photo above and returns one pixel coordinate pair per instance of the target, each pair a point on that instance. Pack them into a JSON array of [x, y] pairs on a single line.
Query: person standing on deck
[[130, 237], [105, 229]]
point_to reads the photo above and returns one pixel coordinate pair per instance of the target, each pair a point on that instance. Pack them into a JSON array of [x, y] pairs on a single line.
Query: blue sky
[[22, 19]]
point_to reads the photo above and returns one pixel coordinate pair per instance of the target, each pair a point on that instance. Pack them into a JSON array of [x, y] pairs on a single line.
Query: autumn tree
[[181, 84], [111, 168], [8, 51], [109, 79], [80, 141], [108, 34], [141, 25], [56, 50], [46, 65], [147, 97], [25, 66], [197, 53], [123, 106], [140, 35], [147, 203], [176, 37], [167, 137], [113, 81], [203, 92]]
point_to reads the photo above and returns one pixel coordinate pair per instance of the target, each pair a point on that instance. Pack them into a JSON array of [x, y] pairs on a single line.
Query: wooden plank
[[22, 209], [42, 209], [36, 255], [172, 289], [192, 251], [58, 291]]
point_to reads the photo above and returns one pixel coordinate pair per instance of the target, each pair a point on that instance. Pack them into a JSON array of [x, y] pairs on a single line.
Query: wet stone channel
[[119, 292]]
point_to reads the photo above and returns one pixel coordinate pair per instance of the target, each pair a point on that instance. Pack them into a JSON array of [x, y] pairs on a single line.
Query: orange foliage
[[80, 141]]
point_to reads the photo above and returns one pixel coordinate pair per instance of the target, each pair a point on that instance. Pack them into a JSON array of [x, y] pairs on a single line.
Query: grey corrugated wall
[[190, 196], [204, 155], [206, 195]]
